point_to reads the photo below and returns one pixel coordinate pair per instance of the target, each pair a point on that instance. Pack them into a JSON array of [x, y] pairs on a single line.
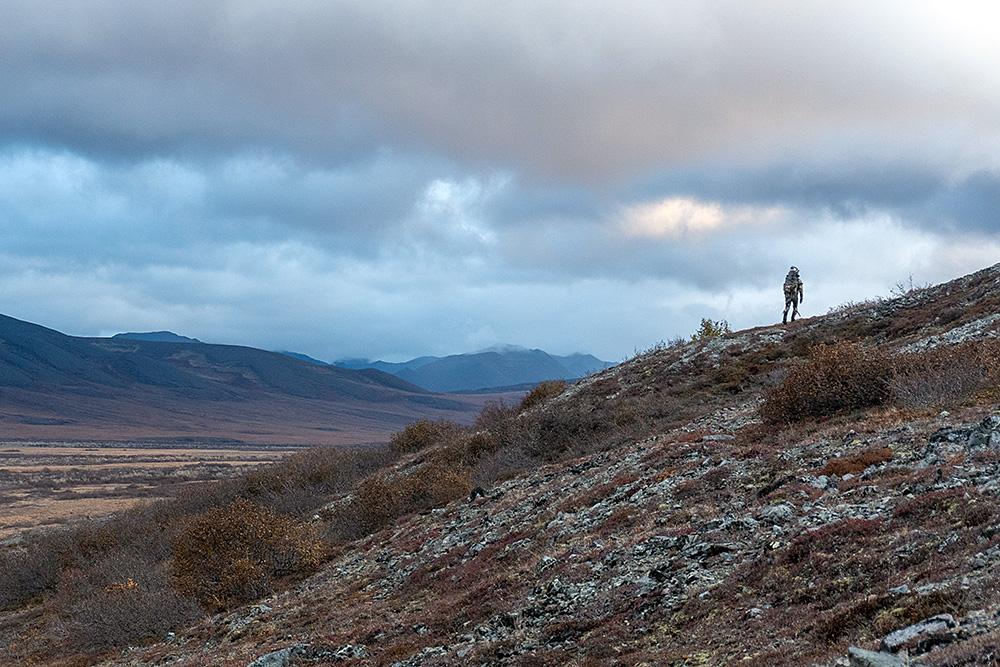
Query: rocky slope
[[696, 536]]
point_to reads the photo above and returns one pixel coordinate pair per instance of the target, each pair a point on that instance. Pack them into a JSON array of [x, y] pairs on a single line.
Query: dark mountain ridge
[[157, 337], [99, 382], [33, 356]]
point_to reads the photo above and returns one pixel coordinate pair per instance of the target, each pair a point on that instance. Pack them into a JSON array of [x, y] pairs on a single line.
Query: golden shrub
[[422, 434], [233, 554], [541, 393]]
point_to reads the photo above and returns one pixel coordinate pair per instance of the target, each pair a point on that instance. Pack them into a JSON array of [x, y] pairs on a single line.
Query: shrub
[[111, 581], [381, 499], [34, 569], [495, 416], [835, 378], [502, 464], [543, 392], [422, 434], [232, 554], [377, 501], [122, 598], [942, 375], [497, 427], [479, 445], [27, 573], [711, 329], [434, 485], [571, 430]]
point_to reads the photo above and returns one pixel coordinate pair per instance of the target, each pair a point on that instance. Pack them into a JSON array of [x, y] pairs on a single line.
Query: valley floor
[[44, 484]]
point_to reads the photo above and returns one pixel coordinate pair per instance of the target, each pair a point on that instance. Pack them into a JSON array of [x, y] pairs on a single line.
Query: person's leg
[[795, 307], [788, 303]]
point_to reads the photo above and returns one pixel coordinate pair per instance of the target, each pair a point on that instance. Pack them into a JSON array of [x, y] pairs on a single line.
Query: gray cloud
[[564, 88], [973, 203], [417, 177]]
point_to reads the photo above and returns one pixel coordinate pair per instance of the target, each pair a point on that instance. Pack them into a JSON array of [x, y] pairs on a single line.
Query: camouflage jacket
[[793, 284]]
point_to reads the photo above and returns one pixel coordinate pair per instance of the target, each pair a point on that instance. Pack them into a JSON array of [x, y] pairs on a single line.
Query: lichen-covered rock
[[920, 637], [280, 658], [860, 657]]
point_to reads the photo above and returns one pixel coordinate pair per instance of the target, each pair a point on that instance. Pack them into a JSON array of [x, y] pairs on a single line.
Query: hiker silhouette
[[793, 294]]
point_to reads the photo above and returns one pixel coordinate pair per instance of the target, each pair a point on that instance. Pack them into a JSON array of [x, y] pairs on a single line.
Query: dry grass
[[981, 651], [856, 463], [951, 507], [49, 485]]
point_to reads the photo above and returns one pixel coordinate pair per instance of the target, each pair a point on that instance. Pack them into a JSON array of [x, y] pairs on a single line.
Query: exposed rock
[[778, 513], [920, 637], [280, 658], [238, 624], [955, 439], [544, 563], [820, 482], [349, 652], [859, 657], [984, 327], [986, 436]]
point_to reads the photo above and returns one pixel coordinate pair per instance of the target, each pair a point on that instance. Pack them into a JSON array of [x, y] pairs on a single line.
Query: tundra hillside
[[821, 493]]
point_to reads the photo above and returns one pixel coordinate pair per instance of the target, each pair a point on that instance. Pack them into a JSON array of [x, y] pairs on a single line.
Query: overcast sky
[[391, 179]]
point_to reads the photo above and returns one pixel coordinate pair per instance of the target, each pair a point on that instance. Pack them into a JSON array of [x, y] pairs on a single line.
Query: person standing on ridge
[[793, 294]]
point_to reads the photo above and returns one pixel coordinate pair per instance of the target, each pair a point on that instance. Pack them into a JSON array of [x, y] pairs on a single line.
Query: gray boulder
[[986, 435], [280, 658], [921, 636], [859, 657], [779, 513], [350, 651]]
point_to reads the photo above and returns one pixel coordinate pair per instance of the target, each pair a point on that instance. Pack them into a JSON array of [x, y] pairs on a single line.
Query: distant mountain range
[[54, 386], [499, 367], [504, 366]]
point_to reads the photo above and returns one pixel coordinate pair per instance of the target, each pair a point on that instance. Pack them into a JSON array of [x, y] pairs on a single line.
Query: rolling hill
[[55, 386]]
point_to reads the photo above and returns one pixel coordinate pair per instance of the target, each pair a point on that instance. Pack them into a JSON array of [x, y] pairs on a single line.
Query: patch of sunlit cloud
[[678, 217]]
